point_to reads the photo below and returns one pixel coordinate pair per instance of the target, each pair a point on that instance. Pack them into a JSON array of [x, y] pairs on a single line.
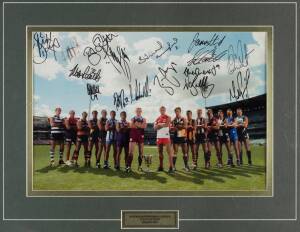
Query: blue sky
[[53, 87]]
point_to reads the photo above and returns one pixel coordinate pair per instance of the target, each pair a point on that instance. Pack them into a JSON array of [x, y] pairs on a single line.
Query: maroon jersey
[[137, 134]]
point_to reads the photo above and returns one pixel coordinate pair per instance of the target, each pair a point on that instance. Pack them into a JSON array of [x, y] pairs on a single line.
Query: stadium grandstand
[[254, 108]]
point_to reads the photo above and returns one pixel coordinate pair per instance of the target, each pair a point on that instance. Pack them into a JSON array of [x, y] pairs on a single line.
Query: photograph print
[[149, 111]]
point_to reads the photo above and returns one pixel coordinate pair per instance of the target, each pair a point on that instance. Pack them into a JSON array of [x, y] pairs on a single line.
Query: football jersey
[[103, 122], [111, 133], [190, 129], [163, 132], [139, 119], [240, 122], [179, 122], [72, 124], [200, 121], [222, 130], [94, 125], [58, 127], [85, 130], [213, 121]]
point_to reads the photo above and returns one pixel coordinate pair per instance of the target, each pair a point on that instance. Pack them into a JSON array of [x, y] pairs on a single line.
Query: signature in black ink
[[139, 91], [169, 47], [89, 73], [239, 59], [197, 71], [72, 50], [156, 51], [196, 85], [102, 50], [147, 56], [44, 43], [120, 100], [93, 91], [206, 55], [240, 87], [216, 40], [165, 80]]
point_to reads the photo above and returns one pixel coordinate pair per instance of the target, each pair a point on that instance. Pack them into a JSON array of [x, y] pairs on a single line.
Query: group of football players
[[103, 134]]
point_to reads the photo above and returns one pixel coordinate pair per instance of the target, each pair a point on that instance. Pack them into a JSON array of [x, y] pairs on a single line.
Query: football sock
[[230, 158], [241, 157], [219, 155], [161, 159], [75, 155], [51, 155], [140, 159], [249, 156], [208, 156], [129, 160], [174, 160], [185, 160], [60, 155]]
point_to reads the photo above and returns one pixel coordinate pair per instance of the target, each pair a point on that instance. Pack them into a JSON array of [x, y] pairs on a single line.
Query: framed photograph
[[150, 115], [203, 96]]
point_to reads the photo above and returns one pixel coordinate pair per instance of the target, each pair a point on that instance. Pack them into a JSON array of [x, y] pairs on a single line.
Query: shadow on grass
[[219, 175]]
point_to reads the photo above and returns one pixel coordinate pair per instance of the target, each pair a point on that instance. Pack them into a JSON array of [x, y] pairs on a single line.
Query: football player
[[231, 126], [57, 136], [136, 137], [201, 126], [243, 136], [111, 139], [94, 134], [179, 125], [83, 132], [190, 132], [102, 136], [122, 138], [213, 139], [162, 127], [71, 134]]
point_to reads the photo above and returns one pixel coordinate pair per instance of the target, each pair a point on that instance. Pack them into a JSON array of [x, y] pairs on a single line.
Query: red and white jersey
[[163, 132]]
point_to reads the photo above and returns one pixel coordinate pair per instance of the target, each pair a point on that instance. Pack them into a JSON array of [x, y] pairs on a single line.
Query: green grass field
[[70, 178]]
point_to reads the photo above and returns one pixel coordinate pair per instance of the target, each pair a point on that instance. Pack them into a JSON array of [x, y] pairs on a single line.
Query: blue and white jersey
[[230, 121], [111, 133]]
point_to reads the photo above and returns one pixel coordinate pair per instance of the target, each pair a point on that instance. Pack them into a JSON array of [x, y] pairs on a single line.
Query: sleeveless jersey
[[124, 126], [212, 122], [230, 121], [73, 126], [85, 130], [139, 119], [222, 130], [94, 130], [111, 134], [240, 121], [163, 132], [190, 129], [200, 121], [58, 127], [179, 122]]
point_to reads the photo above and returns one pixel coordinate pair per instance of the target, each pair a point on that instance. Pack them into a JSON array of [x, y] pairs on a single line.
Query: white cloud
[[48, 70], [258, 56]]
